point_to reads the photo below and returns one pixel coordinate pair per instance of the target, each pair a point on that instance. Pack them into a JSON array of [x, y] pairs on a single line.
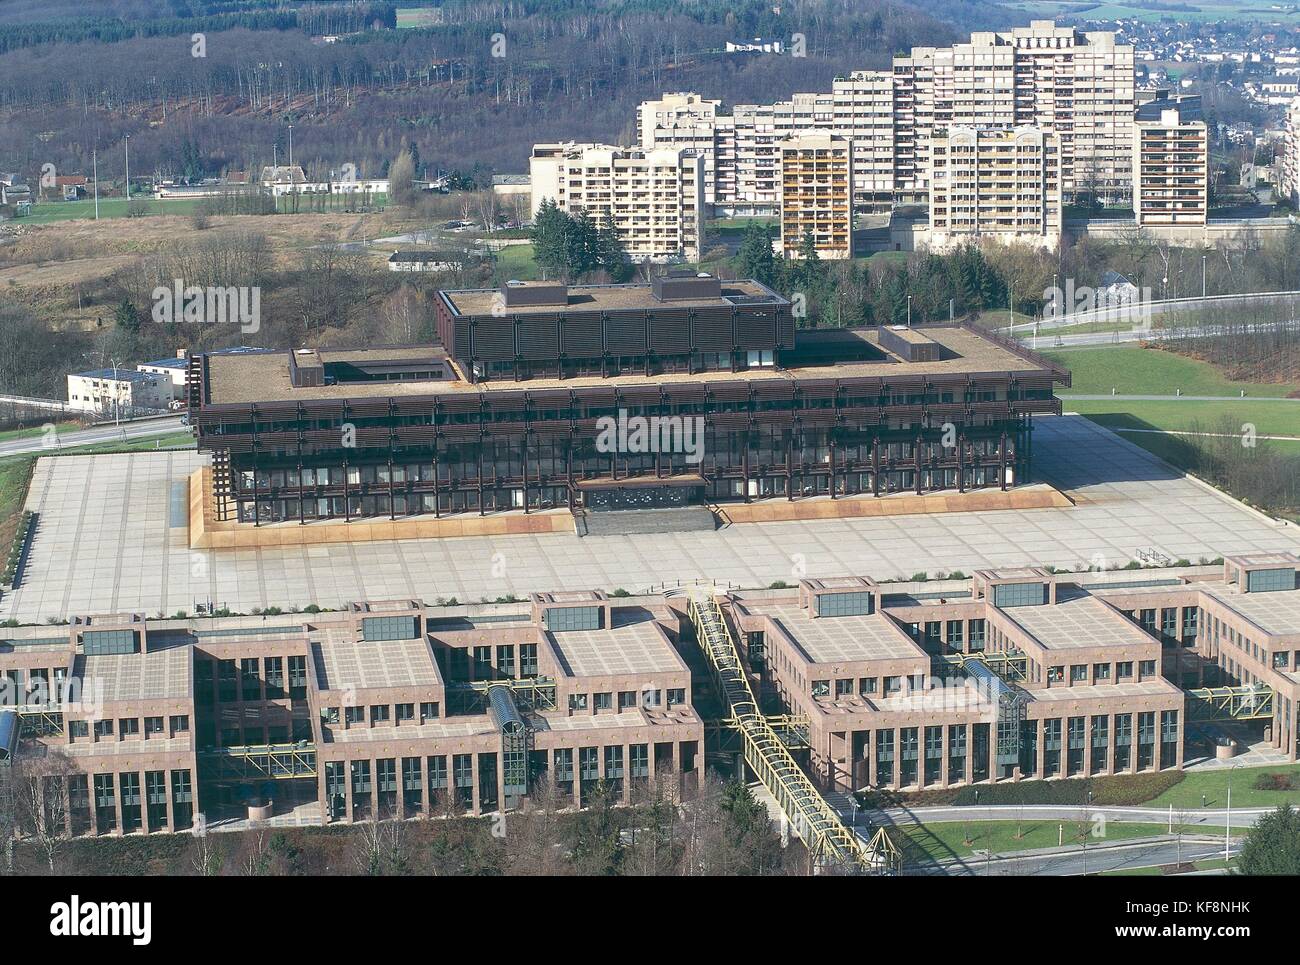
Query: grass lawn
[[1139, 371], [1153, 872], [1268, 418], [15, 474], [1214, 785], [945, 839], [10, 434], [517, 262], [51, 211]]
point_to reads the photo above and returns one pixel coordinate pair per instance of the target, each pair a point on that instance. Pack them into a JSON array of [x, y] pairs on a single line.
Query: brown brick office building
[[506, 415]]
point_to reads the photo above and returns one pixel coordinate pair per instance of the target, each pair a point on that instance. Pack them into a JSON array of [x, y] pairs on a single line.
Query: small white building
[[173, 371], [427, 261], [118, 392]]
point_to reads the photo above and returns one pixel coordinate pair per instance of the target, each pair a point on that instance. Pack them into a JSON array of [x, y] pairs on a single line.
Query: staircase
[[633, 522]]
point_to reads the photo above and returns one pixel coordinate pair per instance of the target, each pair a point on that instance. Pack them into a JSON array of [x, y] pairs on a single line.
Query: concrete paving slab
[[104, 541]]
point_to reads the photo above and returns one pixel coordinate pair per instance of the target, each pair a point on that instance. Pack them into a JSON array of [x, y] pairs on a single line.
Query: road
[[1143, 853], [85, 437], [1203, 830], [1192, 817]]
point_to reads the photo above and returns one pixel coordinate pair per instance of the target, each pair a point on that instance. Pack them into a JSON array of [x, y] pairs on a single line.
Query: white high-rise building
[[995, 185], [1076, 85], [653, 200]]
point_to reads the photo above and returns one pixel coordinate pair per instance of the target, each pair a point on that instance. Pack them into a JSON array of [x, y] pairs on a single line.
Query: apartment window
[[1124, 670], [577, 701], [153, 725], [428, 711], [604, 701], [379, 714]]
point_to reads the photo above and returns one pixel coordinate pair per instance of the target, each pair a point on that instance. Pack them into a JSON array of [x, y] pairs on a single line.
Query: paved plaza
[[112, 538]]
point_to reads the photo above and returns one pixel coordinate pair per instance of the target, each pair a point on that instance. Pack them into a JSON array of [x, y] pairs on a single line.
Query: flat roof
[[342, 661], [264, 376], [1077, 624], [1274, 611], [609, 298], [639, 647], [158, 675], [1155, 687], [841, 639]]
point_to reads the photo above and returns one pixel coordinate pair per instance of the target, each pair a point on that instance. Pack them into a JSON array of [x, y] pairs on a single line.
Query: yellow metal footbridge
[[831, 843]]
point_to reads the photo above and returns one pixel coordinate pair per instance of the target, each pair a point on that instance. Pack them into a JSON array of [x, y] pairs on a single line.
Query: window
[[626, 699], [78, 728], [1146, 669], [354, 715], [1055, 674], [604, 701], [1124, 670], [577, 701], [572, 618], [405, 712], [866, 685], [379, 713], [1101, 671], [676, 696], [821, 688], [153, 725], [129, 726], [1079, 673], [428, 711], [389, 628]]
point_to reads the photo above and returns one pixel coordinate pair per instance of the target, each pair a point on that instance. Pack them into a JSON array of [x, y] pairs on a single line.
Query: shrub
[[1274, 782]]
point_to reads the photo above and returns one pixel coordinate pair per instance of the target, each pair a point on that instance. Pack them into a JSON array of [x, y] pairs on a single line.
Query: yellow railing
[[815, 821]]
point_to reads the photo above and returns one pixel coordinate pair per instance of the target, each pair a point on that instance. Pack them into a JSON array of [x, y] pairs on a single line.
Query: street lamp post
[[1227, 821], [1202, 275], [909, 311], [126, 144]]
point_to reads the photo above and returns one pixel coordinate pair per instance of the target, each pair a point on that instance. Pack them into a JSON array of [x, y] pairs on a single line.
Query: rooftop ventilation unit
[[677, 286]]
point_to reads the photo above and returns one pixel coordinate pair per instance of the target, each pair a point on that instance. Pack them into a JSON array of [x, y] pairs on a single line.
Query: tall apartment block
[[653, 200], [1289, 162], [1171, 163], [687, 122], [995, 185], [1078, 86], [817, 195]]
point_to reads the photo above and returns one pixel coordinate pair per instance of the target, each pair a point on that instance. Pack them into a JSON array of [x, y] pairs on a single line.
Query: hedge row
[[25, 523]]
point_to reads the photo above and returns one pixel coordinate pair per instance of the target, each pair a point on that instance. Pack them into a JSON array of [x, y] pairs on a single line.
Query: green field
[[517, 262], [1268, 418], [946, 839], [1154, 10], [52, 211], [1141, 371]]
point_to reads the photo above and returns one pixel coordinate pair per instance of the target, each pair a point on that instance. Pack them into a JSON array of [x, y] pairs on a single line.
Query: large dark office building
[[536, 397]]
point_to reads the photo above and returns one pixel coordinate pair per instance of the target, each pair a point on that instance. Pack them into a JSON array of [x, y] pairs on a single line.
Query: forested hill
[[568, 69]]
